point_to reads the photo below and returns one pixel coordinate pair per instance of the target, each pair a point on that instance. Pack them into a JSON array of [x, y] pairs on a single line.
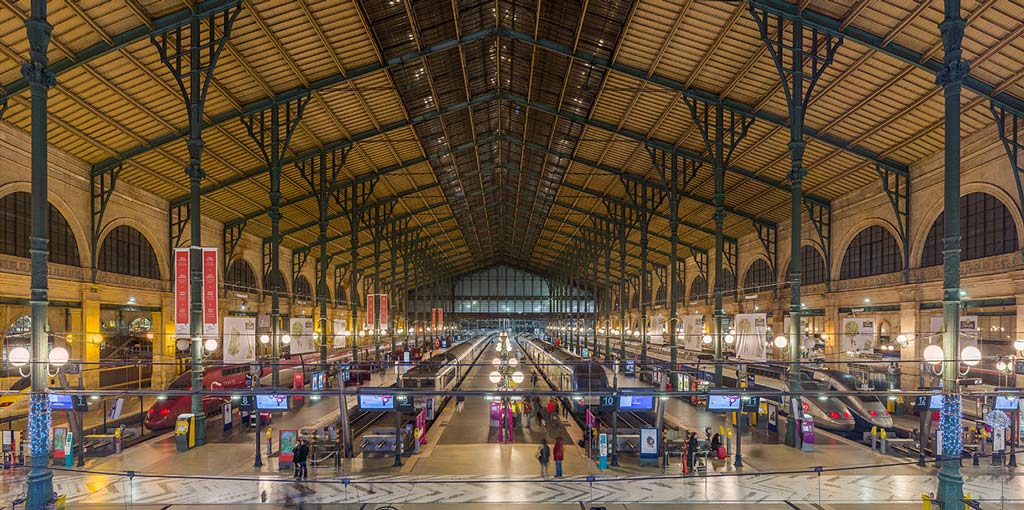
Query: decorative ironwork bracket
[[1011, 132], [897, 188], [102, 189]]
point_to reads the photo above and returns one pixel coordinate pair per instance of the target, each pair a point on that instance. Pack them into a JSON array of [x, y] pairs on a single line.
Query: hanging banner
[[858, 335], [693, 329], [751, 335], [339, 330], [210, 316], [657, 331], [239, 339], [969, 332], [382, 306], [181, 292], [301, 330], [370, 313], [440, 318], [433, 318]]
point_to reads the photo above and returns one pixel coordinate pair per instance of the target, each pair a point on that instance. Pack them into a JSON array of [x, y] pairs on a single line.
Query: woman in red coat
[[558, 454]]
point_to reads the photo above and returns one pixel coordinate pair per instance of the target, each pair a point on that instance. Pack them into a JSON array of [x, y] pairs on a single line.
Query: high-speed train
[[868, 411], [164, 412], [830, 413], [567, 372], [445, 370]]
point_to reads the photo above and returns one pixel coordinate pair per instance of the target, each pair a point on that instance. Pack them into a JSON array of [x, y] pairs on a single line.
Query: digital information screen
[[935, 402], [372, 402], [723, 402], [1006, 403], [317, 381], [636, 402], [61, 402], [272, 402]]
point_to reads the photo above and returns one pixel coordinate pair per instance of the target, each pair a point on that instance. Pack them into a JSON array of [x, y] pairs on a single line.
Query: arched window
[[661, 295], [873, 251], [340, 295], [758, 277], [303, 291], [268, 284], [16, 227], [241, 277], [126, 251], [699, 288], [985, 224], [680, 290], [728, 283], [812, 266]]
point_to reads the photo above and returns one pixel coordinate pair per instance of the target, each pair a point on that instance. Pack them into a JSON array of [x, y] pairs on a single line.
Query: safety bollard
[[977, 460], [883, 441], [874, 438], [117, 440]]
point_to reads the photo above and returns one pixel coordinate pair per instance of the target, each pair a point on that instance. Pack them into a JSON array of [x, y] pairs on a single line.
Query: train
[[444, 371], [164, 412], [829, 413], [867, 410], [567, 372]]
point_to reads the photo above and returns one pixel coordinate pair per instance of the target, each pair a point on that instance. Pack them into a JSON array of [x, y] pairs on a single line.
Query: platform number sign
[[608, 403], [247, 403], [81, 403]]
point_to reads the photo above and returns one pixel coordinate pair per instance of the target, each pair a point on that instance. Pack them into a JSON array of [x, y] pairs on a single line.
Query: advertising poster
[[210, 316], [969, 332], [301, 331], [339, 338], [657, 331], [181, 292], [858, 335], [693, 329], [373, 402], [421, 423], [286, 438], [751, 335], [298, 383], [60, 436], [239, 339], [773, 417], [273, 403], [382, 305], [648, 442]]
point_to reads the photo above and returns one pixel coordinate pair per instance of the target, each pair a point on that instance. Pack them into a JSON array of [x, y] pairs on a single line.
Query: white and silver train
[[444, 371]]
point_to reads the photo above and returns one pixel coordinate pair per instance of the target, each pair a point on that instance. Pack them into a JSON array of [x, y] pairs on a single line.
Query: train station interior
[[515, 254]]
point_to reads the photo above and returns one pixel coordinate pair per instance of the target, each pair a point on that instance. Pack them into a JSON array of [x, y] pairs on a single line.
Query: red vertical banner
[[440, 318], [433, 318], [181, 292], [370, 312], [210, 321], [382, 305]]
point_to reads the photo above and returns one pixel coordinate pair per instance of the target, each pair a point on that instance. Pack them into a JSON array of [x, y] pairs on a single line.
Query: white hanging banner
[[239, 339], [969, 329], [301, 330], [693, 329], [339, 329], [751, 334], [858, 334]]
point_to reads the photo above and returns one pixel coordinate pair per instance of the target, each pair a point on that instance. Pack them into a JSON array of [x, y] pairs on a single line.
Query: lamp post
[[505, 376], [40, 488]]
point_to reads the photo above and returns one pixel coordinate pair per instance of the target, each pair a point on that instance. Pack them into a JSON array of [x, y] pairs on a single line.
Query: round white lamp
[[517, 377], [781, 342], [19, 357], [494, 377], [933, 354], [264, 339], [706, 339], [210, 345], [286, 339], [729, 339], [970, 355]]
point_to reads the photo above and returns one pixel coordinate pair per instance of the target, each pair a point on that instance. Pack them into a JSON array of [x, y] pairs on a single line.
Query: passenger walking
[[460, 402], [301, 454], [543, 456], [691, 451], [527, 411], [552, 408], [559, 455]]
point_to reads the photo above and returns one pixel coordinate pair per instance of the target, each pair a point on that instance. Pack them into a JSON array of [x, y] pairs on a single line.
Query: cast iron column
[[951, 482], [40, 479]]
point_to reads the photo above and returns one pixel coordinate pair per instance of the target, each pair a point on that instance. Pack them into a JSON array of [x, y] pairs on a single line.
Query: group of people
[[546, 454], [693, 447], [542, 413]]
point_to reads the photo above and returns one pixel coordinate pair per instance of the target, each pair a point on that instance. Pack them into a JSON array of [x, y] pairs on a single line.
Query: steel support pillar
[[40, 78], [190, 53], [721, 136], [951, 483], [321, 173], [792, 63], [646, 200], [279, 128]]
